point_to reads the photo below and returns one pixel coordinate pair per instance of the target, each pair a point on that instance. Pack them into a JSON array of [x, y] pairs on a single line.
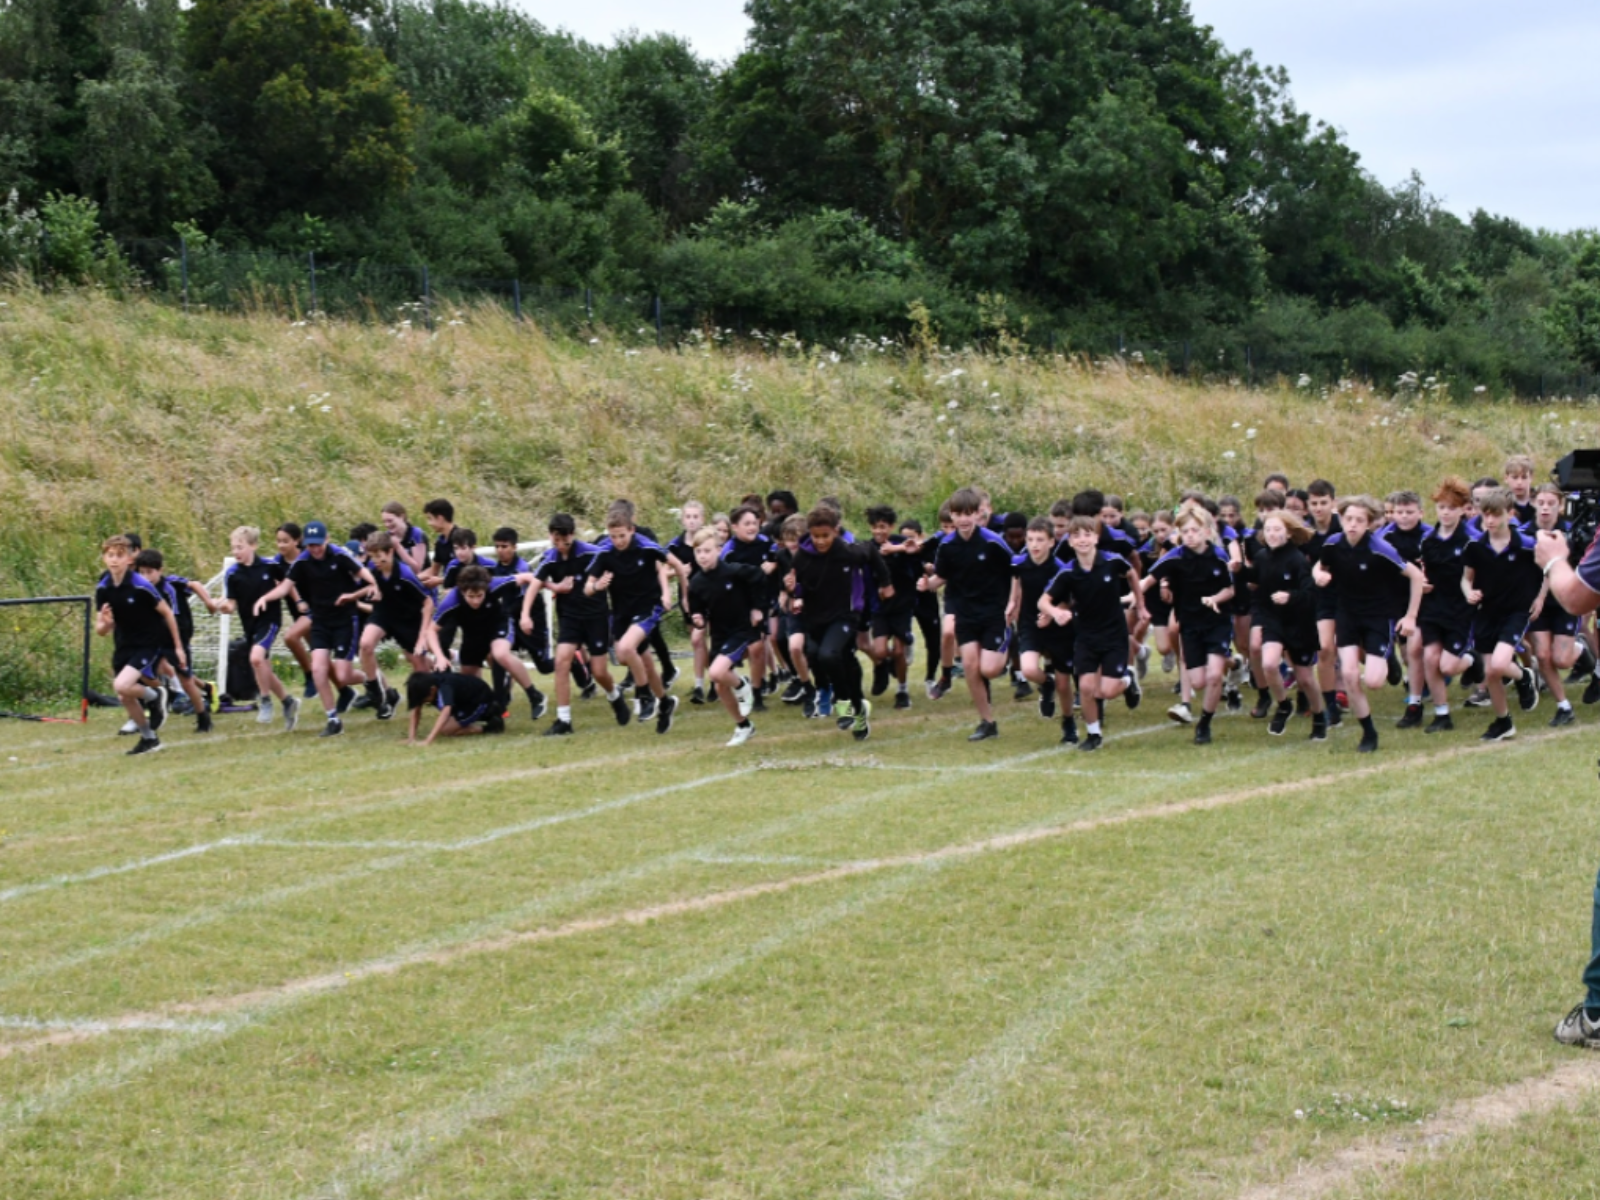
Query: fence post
[[311, 260], [658, 322], [1119, 345], [183, 258], [588, 305], [516, 297], [427, 300]]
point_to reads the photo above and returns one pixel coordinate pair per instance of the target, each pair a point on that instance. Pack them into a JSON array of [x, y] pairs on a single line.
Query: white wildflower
[[953, 404], [1229, 454], [1250, 434]]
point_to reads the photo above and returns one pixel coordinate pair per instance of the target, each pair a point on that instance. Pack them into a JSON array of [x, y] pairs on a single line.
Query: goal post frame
[[87, 650]]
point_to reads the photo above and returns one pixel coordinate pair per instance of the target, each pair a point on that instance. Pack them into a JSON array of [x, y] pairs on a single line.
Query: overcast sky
[[1495, 103]]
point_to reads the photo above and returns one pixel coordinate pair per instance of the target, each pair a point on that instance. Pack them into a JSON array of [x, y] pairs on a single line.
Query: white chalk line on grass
[[470, 843], [1383, 1155], [395, 1151], [127, 1024]]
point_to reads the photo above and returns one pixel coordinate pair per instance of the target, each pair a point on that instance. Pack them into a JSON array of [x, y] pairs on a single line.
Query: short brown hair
[[966, 500], [1083, 524], [116, 542], [473, 579], [1269, 498], [1518, 464], [395, 509], [1496, 501], [381, 540], [1367, 504], [619, 515], [822, 515]]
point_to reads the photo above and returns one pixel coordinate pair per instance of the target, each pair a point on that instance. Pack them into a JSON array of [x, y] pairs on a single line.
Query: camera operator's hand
[[1550, 545]]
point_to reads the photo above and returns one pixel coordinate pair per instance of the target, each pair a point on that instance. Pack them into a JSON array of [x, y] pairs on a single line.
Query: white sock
[[614, 694], [1093, 727], [1441, 710], [151, 695], [564, 714], [1566, 704]]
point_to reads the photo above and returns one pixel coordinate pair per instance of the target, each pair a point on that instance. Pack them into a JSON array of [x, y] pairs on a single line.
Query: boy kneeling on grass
[[466, 705]]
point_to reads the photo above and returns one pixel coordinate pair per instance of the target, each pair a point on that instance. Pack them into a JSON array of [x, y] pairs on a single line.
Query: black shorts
[[1493, 629], [1375, 635], [1160, 611], [476, 650], [404, 635], [735, 647], [1243, 602], [263, 635], [1053, 644], [147, 659], [1327, 604], [1102, 653], [1201, 642], [992, 634], [1454, 636], [1300, 651], [340, 636], [1554, 619], [895, 625], [647, 621], [592, 633], [186, 670]]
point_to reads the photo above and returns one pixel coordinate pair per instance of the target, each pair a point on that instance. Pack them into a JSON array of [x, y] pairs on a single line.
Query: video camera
[[1578, 475]]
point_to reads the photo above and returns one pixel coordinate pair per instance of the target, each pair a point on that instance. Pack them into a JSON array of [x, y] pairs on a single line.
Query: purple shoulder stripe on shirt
[[1382, 548]]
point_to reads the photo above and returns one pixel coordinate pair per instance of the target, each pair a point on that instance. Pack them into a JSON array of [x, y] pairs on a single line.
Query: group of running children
[[1330, 598]]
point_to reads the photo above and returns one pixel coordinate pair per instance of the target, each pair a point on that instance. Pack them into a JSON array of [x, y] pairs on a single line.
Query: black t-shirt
[[401, 597], [977, 574], [1284, 570], [484, 623], [904, 571], [135, 609], [553, 568], [1192, 577], [832, 585], [321, 581], [1094, 593], [1443, 560], [245, 585], [462, 694], [726, 596], [1035, 578], [1364, 574], [635, 586], [177, 589], [443, 551], [1509, 579], [455, 566], [1313, 548]]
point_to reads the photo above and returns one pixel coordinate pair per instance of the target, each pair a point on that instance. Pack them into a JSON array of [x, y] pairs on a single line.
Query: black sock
[[1368, 727], [1205, 720], [1329, 699], [745, 724]]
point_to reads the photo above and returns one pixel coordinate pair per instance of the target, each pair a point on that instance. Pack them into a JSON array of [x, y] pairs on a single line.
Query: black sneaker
[[333, 728], [1069, 732], [202, 722], [902, 700], [794, 693], [390, 705], [536, 702], [622, 708], [808, 702], [1411, 719], [155, 711], [1021, 690], [1368, 744], [1396, 671], [1473, 675], [1441, 723], [494, 723], [1528, 690], [1478, 698], [347, 697], [984, 731], [647, 706], [697, 696], [1302, 706], [880, 678], [759, 704], [559, 729], [668, 706], [1591, 694], [1090, 741], [589, 690], [1232, 699], [669, 675], [146, 745], [1202, 735], [1500, 730], [1263, 705], [1280, 719], [1133, 693], [1335, 716], [374, 695], [1319, 727], [1564, 716], [1047, 702]]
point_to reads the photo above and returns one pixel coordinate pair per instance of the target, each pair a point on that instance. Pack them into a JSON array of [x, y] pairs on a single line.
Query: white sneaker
[[1169, 663], [129, 727], [747, 698], [1181, 714], [264, 711], [741, 734]]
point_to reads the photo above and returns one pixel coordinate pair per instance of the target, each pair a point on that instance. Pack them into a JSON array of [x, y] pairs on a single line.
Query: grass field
[[263, 965]]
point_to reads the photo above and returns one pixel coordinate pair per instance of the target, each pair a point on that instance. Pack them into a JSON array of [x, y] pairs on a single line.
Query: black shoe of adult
[[1133, 693], [622, 709], [559, 729], [670, 675], [1369, 744], [155, 711], [1500, 730], [1412, 718], [1564, 716], [1090, 742], [984, 731], [146, 745], [1202, 735], [1441, 723]]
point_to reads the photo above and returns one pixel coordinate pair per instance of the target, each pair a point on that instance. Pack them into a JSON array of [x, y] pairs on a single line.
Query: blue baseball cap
[[316, 533]]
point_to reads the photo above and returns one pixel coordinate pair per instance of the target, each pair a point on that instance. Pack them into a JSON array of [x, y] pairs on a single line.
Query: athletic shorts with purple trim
[[340, 637], [993, 635], [262, 635], [736, 647], [647, 622], [145, 659], [1493, 629], [186, 669], [1375, 635]]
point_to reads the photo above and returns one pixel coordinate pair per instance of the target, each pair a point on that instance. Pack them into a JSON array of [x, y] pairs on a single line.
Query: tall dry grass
[[133, 415]]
